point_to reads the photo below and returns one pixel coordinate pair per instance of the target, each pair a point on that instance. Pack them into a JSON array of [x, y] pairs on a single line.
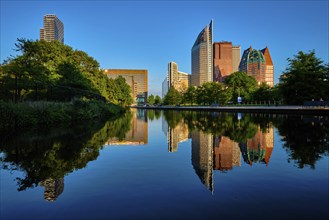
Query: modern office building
[[269, 68], [226, 60], [136, 79], [202, 58], [165, 87], [258, 64], [223, 65], [175, 78], [236, 56], [53, 29]]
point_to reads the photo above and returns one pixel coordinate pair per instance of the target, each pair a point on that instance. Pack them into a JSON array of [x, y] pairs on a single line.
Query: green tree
[[54, 71], [151, 99], [305, 78], [157, 100], [241, 85], [189, 97], [263, 93], [173, 97]]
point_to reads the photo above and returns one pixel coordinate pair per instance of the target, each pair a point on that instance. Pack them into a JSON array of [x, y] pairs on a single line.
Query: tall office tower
[[254, 63], [136, 79], [201, 57], [236, 56], [53, 29], [269, 68], [177, 79], [165, 87], [172, 73], [222, 52]]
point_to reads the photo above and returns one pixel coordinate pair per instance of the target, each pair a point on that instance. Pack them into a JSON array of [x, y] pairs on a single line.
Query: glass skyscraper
[[202, 58]]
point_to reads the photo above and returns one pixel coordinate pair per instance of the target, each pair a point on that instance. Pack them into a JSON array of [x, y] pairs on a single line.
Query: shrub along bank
[[52, 113]]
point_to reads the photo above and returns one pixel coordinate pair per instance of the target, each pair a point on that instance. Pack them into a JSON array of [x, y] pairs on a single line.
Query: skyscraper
[[202, 59], [258, 64], [172, 73], [53, 29], [236, 55], [222, 52]]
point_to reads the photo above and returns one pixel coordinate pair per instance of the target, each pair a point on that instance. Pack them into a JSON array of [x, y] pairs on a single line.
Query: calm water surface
[[169, 165]]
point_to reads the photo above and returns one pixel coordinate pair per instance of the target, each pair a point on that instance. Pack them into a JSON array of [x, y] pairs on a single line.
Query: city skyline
[[140, 35]]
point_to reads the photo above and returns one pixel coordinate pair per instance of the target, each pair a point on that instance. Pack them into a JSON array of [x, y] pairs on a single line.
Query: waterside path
[[250, 109]]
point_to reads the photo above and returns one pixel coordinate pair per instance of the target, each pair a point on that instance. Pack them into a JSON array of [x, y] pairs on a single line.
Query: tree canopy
[[306, 78], [54, 71], [241, 85]]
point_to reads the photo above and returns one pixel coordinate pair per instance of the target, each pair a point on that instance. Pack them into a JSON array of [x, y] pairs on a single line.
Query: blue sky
[[148, 35]]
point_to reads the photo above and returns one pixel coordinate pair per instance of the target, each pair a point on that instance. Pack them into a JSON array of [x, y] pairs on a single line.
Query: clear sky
[[148, 35]]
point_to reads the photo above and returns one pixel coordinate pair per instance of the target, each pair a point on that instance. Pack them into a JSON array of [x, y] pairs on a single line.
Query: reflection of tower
[[138, 133], [259, 148], [202, 157], [226, 153], [176, 135], [53, 188]]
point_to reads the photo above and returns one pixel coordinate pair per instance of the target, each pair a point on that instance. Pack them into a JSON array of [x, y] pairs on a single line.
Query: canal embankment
[[247, 109]]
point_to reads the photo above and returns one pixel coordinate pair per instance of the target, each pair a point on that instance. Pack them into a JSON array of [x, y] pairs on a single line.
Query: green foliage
[[151, 99], [173, 97], [242, 85], [306, 78], [212, 92], [52, 113], [157, 100], [189, 97], [54, 71]]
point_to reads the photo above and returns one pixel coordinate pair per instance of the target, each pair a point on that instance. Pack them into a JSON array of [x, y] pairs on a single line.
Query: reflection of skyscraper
[[226, 153], [138, 134], [53, 188], [259, 148], [202, 67], [175, 135], [202, 157]]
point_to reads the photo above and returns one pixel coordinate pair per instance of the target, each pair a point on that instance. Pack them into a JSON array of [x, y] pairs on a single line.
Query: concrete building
[[258, 64], [53, 29], [177, 79], [236, 56], [202, 58], [136, 79], [53, 188]]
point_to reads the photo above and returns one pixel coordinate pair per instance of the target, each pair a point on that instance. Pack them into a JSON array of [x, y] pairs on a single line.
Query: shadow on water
[[46, 156]]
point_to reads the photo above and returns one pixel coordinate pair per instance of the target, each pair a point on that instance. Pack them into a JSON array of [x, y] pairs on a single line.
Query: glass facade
[[202, 59]]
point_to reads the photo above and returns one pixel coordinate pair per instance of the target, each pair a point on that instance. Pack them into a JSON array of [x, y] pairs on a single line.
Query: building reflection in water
[[211, 152], [202, 157], [175, 135], [138, 134], [53, 188]]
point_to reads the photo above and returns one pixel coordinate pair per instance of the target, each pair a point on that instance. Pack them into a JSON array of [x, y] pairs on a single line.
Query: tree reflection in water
[[47, 155]]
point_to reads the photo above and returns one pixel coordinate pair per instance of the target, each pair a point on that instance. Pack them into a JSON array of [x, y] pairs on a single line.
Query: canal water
[[169, 165]]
